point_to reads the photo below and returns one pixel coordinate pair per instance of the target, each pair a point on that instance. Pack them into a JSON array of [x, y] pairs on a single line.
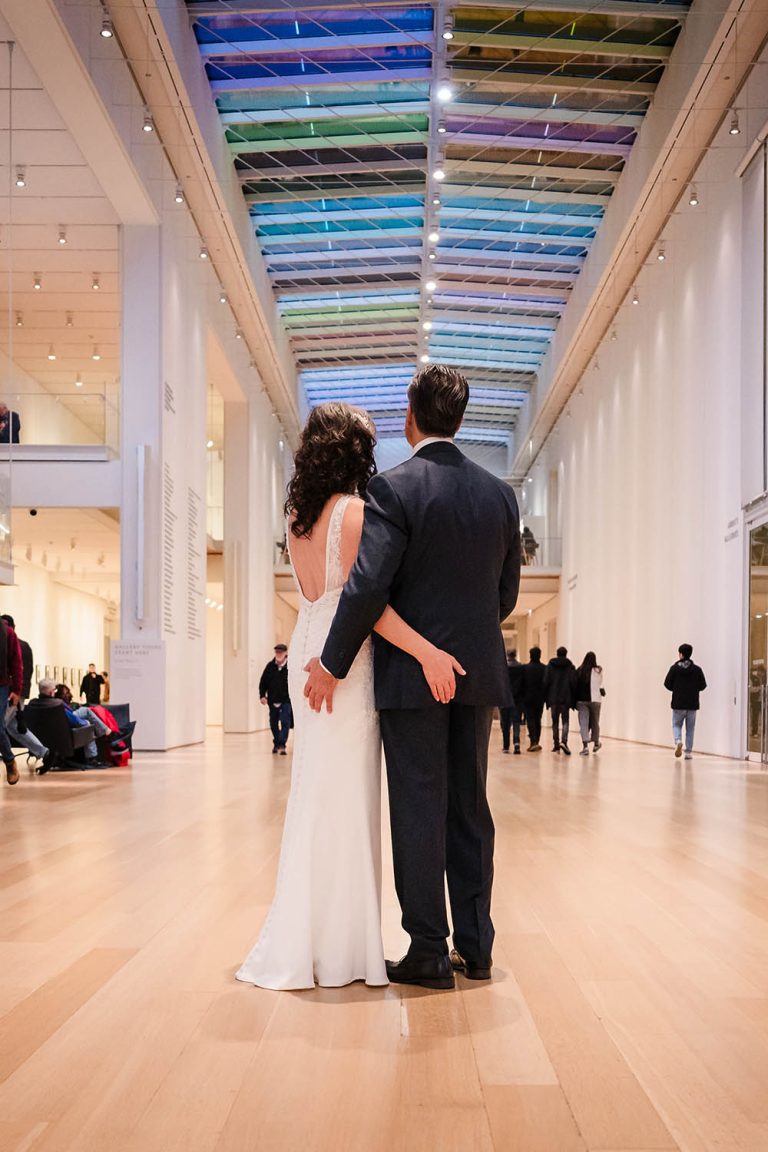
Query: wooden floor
[[629, 1007]]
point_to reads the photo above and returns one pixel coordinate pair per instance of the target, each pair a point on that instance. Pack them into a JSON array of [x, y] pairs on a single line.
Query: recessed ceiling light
[[432, 256], [430, 285], [424, 358], [433, 237], [445, 93], [427, 325], [438, 174], [436, 201]]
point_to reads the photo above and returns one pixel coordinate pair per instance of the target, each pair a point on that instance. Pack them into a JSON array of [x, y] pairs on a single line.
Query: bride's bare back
[[308, 552]]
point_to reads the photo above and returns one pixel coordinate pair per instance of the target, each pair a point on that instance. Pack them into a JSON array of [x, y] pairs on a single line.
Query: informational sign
[[137, 678]]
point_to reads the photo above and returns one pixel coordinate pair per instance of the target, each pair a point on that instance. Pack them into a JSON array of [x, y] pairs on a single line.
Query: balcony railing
[[73, 418], [546, 552]]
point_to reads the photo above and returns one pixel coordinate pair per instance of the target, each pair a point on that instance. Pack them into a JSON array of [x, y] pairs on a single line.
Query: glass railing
[[544, 552], [50, 418]]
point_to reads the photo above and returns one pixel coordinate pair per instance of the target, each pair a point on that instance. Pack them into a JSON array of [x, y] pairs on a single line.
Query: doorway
[[757, 645]]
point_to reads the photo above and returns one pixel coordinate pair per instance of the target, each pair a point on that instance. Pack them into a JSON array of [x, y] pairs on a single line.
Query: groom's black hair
[[438, 396]]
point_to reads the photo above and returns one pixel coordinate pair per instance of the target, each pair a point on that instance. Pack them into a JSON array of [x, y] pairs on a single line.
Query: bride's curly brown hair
[[335, 455]]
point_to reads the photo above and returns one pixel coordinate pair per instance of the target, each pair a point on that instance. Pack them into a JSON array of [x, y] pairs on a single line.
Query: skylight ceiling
[[426, 181]]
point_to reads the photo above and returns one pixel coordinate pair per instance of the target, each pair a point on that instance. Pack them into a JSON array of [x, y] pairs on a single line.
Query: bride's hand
[[440, 670]]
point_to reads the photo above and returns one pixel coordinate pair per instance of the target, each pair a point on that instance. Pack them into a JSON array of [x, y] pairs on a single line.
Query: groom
[[441, 544]]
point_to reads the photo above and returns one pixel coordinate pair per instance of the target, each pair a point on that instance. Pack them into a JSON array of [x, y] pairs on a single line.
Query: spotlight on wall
[[147, 125], [95, 355], [734, 129], [445, 93], [438, 174], [62, 235], [430, 285], [448, 28], [37, 282], [661, 255], [179, 196], [635, 297], [95, 283], [693, 199], [51, 353], [424, 359], [106, 25], [21, 178], [203, 252]]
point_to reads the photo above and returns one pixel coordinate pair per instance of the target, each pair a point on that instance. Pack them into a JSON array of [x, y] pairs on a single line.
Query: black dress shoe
[[471, 970], [426, 971]]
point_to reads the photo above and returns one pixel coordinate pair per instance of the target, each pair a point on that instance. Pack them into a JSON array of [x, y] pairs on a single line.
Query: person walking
[[685, 680], [19, 734], [589, 695], [511, 716], [11, 680], [534, 697], [560, 687], [273, 691], [91, 685]]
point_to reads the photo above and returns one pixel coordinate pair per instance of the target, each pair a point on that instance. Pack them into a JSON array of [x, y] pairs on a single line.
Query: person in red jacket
[[11, 677]]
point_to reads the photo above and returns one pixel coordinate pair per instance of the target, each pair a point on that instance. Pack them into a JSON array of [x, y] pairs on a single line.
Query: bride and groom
[[429, 563]]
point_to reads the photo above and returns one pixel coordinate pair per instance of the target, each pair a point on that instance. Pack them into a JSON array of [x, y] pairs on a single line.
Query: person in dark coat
[[17, 730], [685, 680], [10, 425], [91, 686], [273, 691], [511, 716], [534, 697], [11, 678], [560, 687]]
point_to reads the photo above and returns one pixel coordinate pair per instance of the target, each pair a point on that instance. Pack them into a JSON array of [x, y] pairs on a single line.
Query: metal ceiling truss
[[426, 181]]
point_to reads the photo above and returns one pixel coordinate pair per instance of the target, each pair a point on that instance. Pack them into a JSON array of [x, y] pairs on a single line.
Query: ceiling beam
[[258, 46], [320, 79], [302, 113], [572, 46], [511, 81], [630, 8]]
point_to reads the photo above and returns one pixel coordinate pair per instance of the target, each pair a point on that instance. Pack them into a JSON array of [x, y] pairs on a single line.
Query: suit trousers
[[442, 828]]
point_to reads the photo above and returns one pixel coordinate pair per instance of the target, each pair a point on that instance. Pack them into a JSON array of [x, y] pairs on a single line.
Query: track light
[[441, 128], [95, 283], [37, 283], [438, 174], [78, 382], [693, 199], [445, 94], [95, 355], [21, 179], [614, 336], [734, 129], [209, 444], [432, 256], [661, 255], [106, 25], [222, 296], [430, 285], [238, 334], [203, 252], [179, 197], [436, 201], [427, 325], [51, 353], [19, 320], [69, 320], [424, 359], [635, 297], [62, 235], [433, 237], [147, 125], [448, 28]]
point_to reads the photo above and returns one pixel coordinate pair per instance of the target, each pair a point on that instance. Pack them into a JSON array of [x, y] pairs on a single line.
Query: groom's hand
[[320, 686]]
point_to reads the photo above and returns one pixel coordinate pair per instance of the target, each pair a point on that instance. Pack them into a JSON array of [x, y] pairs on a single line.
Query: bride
[[324, 925]]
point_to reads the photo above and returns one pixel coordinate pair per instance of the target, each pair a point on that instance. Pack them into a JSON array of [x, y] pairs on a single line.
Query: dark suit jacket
[[10, 430], [441, 544]]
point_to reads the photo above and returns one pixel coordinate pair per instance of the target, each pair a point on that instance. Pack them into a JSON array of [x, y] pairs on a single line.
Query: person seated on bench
[[84, 712], [48, 699]]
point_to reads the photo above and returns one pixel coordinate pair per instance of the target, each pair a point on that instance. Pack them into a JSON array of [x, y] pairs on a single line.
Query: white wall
[[63, 627], [650, 479]]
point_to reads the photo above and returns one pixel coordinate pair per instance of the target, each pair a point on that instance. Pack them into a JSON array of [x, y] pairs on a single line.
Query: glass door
[[757, 689]]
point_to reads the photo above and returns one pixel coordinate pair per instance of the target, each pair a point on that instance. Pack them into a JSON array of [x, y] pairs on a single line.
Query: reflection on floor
[[629, 1008]]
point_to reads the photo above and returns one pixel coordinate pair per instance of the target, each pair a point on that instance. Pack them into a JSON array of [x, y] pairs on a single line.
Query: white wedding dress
[[324, 926]]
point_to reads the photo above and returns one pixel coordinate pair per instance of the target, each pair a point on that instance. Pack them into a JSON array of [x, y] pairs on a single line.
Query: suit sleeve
[[509, 584], [366, 592]]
